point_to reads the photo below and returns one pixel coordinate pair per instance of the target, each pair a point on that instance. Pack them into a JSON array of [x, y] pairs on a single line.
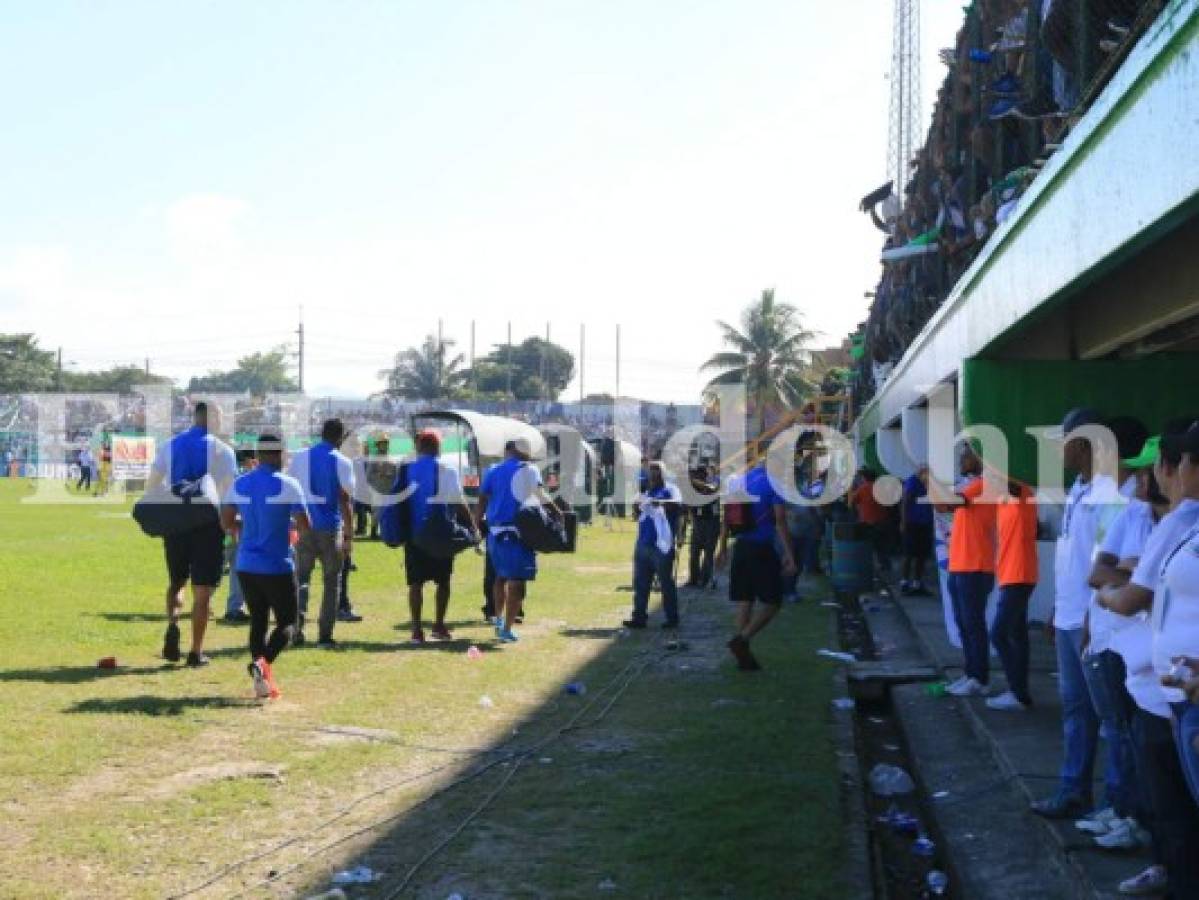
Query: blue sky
[[178, 178]]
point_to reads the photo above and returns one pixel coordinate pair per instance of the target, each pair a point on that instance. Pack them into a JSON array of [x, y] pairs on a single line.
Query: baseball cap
[[1147, 456], [1079, 417]]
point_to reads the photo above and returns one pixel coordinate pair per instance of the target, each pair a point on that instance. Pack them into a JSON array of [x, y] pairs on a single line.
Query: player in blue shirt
[[506, 487], [196, 555], [327, 477], [659, 509], [758, 567], [432, 484], [267, 502]]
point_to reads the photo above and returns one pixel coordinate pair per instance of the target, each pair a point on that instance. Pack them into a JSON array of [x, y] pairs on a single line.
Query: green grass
[[698, 781]]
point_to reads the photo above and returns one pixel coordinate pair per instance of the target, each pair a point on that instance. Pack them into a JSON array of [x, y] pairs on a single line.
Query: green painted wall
[[1014, 396]]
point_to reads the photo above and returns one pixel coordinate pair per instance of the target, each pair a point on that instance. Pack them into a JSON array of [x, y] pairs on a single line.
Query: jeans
[[1080, 725], [236, 602], [1113, 706], [1186, 733], [704, 534], [1173, 816], [970, 591], [649, 561], [324, 546], [1009, 634]]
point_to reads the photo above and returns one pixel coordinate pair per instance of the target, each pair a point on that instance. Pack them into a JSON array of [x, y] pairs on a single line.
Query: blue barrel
[[853, 558]]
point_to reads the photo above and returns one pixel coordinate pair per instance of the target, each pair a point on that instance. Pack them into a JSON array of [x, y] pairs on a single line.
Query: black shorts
[[918, 541], [756, 573], [420, 567], [197, 555]]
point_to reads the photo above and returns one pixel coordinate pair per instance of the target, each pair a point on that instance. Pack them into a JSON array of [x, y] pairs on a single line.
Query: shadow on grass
[[149, 705], [596, 634], [76, 674], [129, 616]]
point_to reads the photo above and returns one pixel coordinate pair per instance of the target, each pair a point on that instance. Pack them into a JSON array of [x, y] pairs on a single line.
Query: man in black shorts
[[433, 486], [196, 555], [758, 567]]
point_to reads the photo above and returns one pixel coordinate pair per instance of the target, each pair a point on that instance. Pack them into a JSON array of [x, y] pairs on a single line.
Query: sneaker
[[739, 647], [170, 644], [347, 614], [258, 670], [1152, 882], [1007, 701], [499, 626], [970, 687], [1098, 822], [418, 636], [1125, 834], [441, 633], [508, 636], [956, 683], [326, 642], [670, 625], [237, 617], [1060, 806], [633, 623], [197, 660]]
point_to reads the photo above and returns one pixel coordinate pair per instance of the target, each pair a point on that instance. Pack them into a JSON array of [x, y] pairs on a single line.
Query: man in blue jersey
[[266, 502], [196, 555], [433, 486], [327, 477], [761, 559], [506, 487], [658, 511]]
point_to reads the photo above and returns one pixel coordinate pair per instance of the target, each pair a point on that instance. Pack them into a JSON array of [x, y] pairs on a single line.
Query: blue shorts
[[513, 560]]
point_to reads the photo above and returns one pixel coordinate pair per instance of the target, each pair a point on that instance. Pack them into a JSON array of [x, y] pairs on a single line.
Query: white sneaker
[[1123, 835], [1006, 701], [957, 682], [1153, 881], [1098, 822], [969, 687]]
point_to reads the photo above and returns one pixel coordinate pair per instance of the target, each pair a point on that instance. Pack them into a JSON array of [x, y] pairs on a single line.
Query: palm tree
[[768, 354], [426, 372]]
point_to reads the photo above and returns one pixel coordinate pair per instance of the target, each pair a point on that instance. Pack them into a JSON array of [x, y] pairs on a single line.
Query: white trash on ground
[[357, 875], [887, 781], [837, 655]]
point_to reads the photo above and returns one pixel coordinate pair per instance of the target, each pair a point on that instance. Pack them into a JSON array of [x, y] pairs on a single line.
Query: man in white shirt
[[1091, 506]]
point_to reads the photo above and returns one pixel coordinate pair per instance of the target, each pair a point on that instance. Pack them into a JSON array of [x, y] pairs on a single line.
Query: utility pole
[[147, 367], [58, 372], [545, 348], [617, 362], [474, 381], [582, 358], [508, 367], [300, 350]]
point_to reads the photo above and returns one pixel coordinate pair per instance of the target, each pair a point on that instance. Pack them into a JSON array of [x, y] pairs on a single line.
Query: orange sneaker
[[260, 671], [270, 680]]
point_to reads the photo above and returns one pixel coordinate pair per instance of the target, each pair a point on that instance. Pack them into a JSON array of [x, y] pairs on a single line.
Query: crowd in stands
[[1124, 620], [1020, 75]]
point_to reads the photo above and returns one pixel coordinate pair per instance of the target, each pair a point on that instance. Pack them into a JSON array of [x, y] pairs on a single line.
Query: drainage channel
[[906, 863]]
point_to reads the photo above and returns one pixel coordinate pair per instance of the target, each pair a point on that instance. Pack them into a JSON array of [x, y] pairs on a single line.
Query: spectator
[[705, 528], [871, 515], [972, 572], [916, 527], [1089, 511], [1016, 569], [658, 511]]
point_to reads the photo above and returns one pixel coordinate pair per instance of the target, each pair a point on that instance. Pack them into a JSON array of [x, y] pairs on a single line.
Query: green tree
[[117, 380], [427, 372], [258, 373], [769, 354], [534, 369], [25, 367]]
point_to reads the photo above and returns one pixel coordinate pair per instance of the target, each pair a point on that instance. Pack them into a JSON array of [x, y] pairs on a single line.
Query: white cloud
[[32, 275], [202, 228]]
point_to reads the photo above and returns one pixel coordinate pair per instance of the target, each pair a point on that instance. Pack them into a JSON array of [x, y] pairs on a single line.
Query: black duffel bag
[[186, 505], [540, 530], [441, 535]]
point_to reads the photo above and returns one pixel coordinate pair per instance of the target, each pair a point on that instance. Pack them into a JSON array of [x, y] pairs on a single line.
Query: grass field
[[673, 776]]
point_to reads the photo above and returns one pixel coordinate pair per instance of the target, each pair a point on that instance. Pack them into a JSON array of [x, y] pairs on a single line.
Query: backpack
[[395, 518]]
